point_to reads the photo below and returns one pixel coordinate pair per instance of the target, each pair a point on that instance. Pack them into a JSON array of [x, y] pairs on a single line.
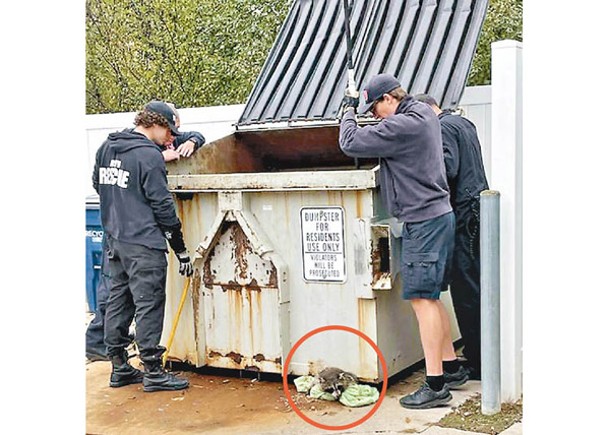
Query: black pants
[[465, 283], [95, 331], [138, 289]]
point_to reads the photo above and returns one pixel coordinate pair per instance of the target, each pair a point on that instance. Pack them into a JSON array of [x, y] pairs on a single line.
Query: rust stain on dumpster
[[242, 247], [358, 204], [237, 357], [242, 288], [208, 276], [196, 302]]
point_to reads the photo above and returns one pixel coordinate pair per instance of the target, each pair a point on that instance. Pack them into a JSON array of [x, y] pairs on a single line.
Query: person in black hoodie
[[139, 218], [415, 191], [180, 146], [466, 179]]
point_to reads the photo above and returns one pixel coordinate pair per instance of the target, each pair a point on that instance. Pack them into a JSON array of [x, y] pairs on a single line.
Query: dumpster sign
[[323, 243]]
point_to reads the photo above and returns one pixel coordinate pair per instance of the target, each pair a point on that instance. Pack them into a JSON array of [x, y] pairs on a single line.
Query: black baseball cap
[[377, 86], [167, 112]]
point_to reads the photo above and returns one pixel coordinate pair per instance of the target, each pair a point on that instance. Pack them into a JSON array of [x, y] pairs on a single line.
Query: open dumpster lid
[[427, 44]]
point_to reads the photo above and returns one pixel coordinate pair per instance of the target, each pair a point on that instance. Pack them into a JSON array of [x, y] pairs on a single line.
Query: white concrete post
[[506, 177]]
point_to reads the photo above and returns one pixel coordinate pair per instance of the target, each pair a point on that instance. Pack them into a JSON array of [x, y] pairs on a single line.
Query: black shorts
[[427, 248]]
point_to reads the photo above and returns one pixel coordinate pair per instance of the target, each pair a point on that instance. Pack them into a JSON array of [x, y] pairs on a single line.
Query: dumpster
[[93, 239], [289, 234], [279, 254]]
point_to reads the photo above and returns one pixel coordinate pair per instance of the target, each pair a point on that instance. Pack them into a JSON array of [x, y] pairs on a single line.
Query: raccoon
[[334, 380]]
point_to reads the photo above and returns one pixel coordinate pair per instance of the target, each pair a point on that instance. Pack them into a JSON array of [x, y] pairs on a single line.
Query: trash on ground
[[354, 396]]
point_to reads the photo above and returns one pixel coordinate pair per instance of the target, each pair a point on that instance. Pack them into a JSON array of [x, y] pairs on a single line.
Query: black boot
[[96, 354], [123, 373], [157, 379]]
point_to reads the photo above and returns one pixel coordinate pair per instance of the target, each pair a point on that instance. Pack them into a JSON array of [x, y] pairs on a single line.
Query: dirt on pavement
[[212, 404]]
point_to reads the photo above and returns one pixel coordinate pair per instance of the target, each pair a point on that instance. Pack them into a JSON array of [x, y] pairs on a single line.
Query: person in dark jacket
[[415, 191], [139, 219], [466, 179], [182, 145]]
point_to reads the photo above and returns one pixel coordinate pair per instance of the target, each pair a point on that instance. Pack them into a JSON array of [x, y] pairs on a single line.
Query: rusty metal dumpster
[[290, 234], [281, 253]]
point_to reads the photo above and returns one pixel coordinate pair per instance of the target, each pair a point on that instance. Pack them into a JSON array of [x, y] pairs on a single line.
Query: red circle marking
[[286, 390]]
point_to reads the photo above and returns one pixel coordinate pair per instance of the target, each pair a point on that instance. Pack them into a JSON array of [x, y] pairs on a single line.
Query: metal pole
[[489, 302], [350, 71]]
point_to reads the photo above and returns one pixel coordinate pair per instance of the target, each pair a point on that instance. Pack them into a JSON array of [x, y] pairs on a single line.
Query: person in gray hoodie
[[414, 189], [139, 218]]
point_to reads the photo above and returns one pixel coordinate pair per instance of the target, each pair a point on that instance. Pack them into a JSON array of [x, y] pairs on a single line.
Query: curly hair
[[147, 119]]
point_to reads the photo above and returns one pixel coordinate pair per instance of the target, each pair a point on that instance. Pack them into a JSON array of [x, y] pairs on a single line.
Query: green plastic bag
[[359, 395], [317, 393], [304, 383]]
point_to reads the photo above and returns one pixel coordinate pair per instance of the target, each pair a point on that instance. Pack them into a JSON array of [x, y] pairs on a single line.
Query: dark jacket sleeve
[[154, 185], [194, 136], [450, 144], [95, 175]]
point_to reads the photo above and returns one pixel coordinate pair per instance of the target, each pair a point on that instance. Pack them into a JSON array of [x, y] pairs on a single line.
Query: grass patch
[[469, 417]]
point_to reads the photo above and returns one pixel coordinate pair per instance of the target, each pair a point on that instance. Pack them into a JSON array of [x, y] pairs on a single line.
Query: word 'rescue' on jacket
[[409, 143], [135, 203]]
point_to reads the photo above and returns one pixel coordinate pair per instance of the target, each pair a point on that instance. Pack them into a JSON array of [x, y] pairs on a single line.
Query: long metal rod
[[350, 71], [490, 302], [175, 320], [349, 42]]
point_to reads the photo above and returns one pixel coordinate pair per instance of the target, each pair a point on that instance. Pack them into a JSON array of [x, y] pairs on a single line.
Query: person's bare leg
[[432, 334], [448, 350], [454, 373]]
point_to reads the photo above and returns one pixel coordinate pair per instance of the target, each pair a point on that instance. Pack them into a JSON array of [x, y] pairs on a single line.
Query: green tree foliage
[[210, 52], [191, 52], [503, 21]]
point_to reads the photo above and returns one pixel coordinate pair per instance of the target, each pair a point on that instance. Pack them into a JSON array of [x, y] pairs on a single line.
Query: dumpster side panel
[[250, 301], [316, 304], [197, 215], [241, 294]]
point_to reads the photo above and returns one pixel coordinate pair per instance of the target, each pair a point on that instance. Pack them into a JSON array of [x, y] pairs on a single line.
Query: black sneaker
[[473, 373], [425, 398], [453, 380]]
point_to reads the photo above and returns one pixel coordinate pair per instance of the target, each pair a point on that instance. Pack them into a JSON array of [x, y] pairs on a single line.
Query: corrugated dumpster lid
[[427, 44]]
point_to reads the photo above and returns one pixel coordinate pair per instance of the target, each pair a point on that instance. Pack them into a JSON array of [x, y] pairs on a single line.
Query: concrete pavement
[[389, 419], [393, 419]]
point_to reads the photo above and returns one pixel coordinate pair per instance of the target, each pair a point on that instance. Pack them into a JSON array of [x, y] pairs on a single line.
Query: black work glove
[[350, 100], [185, 264]]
